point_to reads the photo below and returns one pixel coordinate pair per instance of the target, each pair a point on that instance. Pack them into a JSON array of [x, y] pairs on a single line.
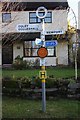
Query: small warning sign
[[42, 74]]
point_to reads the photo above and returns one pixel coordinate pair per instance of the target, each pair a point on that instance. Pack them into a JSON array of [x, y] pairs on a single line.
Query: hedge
[[28, 87]]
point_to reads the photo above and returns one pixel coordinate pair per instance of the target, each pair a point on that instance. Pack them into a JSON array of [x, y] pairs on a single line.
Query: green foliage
[[26, 82], [10, 84], [25, 86], [18, 63], [23, 83], [37, 63]]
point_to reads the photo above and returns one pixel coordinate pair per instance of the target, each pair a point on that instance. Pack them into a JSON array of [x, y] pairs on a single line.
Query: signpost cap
[[39, 10]]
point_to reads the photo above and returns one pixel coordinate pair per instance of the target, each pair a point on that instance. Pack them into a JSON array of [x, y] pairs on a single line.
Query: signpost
[[51, 43], [42, 52], [38, 41], [42, 62], [28, 28], [47, 43], [54, 32], [43, 74]]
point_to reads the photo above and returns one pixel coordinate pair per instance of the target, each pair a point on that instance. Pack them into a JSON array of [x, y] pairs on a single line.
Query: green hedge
[[25, 86], [26, 82]]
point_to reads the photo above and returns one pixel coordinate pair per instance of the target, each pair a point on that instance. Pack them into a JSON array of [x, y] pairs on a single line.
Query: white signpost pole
[[43, 59], [43, 69]]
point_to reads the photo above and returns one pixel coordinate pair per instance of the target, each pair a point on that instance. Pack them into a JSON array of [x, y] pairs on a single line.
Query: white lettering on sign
[[51, 32], [28, 28]]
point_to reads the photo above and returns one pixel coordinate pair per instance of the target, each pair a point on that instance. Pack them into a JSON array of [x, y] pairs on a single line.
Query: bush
[[25, 82], [10, 87], [18, 63], [20, 86], [37, 63], [37, 82]]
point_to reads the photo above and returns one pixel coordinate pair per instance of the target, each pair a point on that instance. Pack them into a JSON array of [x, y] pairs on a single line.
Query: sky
[[74, 5]]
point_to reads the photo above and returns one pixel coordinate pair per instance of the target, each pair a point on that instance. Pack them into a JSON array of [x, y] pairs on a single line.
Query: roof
[[34, 4]]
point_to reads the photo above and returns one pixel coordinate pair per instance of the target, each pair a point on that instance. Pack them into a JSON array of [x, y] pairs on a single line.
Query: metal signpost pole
[[43, 52], [43, 69]]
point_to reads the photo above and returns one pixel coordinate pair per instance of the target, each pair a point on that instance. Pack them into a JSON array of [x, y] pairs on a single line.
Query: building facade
[[20, 27]]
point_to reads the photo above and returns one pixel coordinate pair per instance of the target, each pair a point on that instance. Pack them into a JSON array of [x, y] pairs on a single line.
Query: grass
[[22, 108], [56, 72]]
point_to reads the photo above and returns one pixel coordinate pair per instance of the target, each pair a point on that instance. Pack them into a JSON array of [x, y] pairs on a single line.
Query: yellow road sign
[[42, 74]]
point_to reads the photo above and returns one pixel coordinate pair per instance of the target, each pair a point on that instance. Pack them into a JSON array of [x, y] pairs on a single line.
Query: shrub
[[10, 87], [18, 63], [37, 82], [37, 63], [29, 64], [20, 85], [25, 82], [52, 82], [6, 78]]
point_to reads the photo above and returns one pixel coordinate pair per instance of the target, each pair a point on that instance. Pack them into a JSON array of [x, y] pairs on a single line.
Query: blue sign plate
[[47, 43], [51, 43]]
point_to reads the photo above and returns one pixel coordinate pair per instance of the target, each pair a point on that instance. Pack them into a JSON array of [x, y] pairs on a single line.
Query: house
[[21, 26]]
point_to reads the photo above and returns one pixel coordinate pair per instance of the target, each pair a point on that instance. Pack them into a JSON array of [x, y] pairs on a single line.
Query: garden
[[22, 93]]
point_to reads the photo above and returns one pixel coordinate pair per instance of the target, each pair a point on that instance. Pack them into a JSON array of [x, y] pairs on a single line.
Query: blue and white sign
[[47, 43], [38, 41], [51, 43]]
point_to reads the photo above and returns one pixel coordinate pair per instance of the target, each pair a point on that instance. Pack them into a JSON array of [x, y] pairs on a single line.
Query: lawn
[[14, 107], [57, 108], [56, 72]]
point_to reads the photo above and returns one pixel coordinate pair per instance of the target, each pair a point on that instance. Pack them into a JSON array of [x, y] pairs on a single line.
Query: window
[[30, 49], [34, 19], [51, 51], [6, 17]]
